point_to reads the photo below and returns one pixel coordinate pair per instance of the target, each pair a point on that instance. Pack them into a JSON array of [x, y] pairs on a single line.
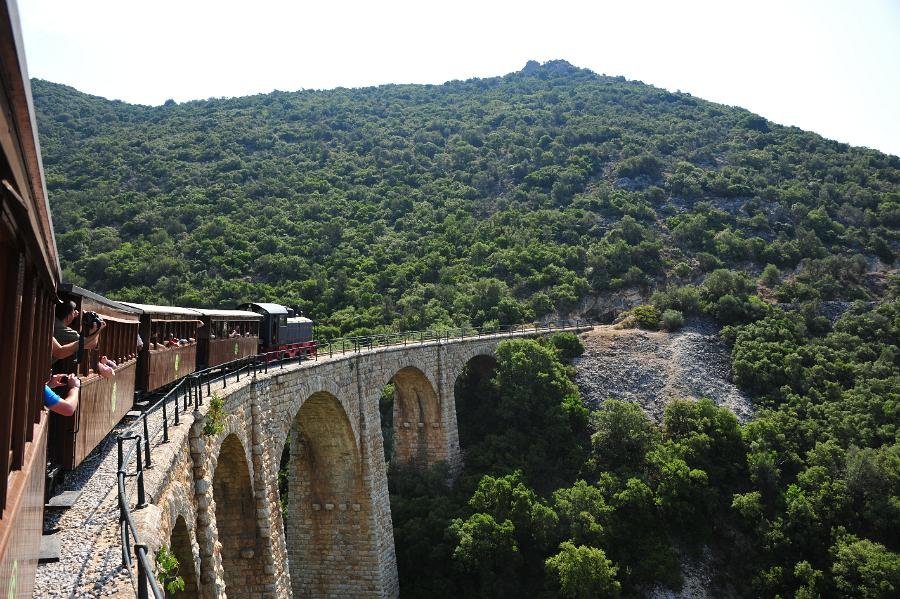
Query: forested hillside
[[510, 199], [500, 199]]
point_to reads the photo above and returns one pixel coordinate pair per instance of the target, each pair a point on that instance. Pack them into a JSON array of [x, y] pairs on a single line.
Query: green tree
[[865, 569], [486, 554], [542, 421], [709, 437], [583, 572], [624, 435], [506, 498], [582, 508]]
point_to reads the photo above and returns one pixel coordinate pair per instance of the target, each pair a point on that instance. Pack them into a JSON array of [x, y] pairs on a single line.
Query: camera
[[91, 321], [64, 380]]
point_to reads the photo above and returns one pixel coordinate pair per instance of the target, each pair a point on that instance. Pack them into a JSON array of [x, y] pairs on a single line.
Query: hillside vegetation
[[510, 199], [489, 200]]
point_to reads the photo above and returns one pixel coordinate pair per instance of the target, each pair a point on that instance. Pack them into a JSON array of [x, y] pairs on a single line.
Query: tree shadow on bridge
[[476, 395]]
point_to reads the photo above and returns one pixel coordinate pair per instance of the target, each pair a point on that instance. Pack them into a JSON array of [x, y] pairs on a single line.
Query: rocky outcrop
[[652, 368]]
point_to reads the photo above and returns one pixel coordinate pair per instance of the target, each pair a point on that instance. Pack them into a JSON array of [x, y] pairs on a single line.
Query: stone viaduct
[[241, 531]]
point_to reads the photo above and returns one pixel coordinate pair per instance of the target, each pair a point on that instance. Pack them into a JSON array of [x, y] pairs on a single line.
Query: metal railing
[[187, 394]]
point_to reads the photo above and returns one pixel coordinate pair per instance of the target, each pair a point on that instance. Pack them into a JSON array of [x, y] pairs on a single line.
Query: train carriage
[[104, 401], [169, 336], [226, 335], [29, 276]]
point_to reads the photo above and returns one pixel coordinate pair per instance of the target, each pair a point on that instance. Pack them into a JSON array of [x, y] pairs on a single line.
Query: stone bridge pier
[[323, 527]]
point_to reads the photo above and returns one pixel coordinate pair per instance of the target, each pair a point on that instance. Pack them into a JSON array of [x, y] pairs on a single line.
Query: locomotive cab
[[273, 325], [280, 330]]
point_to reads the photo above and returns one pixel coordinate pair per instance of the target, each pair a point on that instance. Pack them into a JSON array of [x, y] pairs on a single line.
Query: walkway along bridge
[[202, 477]]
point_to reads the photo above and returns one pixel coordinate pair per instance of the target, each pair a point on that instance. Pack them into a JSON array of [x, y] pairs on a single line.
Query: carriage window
[[26, 311]]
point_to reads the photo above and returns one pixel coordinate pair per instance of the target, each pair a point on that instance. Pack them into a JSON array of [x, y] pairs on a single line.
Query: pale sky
[[830, 66]]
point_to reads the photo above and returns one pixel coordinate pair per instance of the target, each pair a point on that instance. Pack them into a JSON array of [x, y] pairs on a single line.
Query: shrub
[[215, 417], [634, 166], [647, 316], [672, 320], [682, 269], [722, 282], [685, 299], [167, 571], [568, 346], [770, 275], [708, 262]]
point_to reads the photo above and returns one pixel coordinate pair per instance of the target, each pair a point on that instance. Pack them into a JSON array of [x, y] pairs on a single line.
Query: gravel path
[[652, 368], [90, 555]]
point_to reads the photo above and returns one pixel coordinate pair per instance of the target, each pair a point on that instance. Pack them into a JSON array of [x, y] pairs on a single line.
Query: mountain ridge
[[348, 170]]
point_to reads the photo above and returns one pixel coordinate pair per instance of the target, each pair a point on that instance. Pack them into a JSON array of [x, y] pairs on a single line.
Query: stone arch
[[481, 363], [182, 547], [236, 522], [392, 361], [326, 511], [306, 388], [466, 354], [417, 419]]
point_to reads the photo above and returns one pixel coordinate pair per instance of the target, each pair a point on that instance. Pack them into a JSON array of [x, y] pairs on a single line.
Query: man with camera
[[66, 340]]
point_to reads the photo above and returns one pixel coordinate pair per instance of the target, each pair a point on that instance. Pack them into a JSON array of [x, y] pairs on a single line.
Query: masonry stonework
[[216, 499]]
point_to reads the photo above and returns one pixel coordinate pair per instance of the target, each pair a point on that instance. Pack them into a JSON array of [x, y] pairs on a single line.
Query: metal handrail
[[190, 389]]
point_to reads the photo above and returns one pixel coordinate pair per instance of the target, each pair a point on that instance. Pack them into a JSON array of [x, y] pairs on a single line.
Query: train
[[153, 347], [142, 348]]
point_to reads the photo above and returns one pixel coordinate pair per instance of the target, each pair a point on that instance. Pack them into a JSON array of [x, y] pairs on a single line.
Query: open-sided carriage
[[226, 335], [169, 336], [103, 401]]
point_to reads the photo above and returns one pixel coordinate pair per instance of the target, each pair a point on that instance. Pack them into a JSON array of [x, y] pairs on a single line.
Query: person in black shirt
[[65, 338]]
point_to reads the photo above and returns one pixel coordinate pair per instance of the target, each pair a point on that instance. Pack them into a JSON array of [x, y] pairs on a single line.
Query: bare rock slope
[[653, 368]]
